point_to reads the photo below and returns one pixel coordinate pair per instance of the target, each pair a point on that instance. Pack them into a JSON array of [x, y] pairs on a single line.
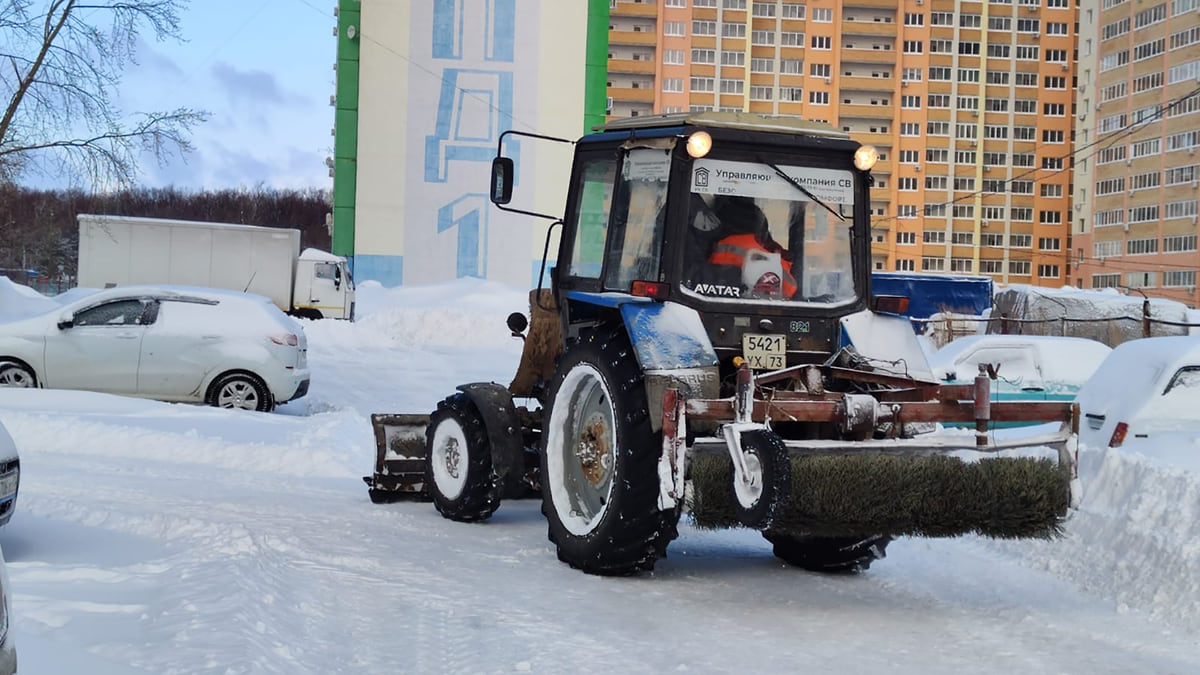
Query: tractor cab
[[760, 224]]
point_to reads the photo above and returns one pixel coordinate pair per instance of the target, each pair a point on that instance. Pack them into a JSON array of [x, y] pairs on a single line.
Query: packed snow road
[[156, 538]]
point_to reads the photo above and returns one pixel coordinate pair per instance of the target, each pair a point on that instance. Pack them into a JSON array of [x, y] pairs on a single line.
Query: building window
[[702, 84], [759, 93], [1048, 271], [1049, 244], [673, 57], [1019, 267], [1050, 217], [818, 97], [933, 264], [702, 27], [673, 85], [676, 29], [733, 86], [733, 30], [822, 42], [913, 47], [822, 15], [733, 58], [910, 129], [764, 9], [1177, 278], [704, 56], [906, 238], [793, 11], [762, 37]]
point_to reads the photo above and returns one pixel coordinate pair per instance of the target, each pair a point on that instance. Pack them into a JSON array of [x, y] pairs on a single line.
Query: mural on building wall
[[483, 61]]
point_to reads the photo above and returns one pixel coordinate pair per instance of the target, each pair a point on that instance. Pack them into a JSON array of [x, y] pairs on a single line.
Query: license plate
[[764, 352]]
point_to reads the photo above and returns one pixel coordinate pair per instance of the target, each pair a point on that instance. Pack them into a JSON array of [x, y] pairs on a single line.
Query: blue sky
[[264, 71]]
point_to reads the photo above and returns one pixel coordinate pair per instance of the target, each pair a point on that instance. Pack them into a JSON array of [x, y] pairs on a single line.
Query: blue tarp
[[929, 294]]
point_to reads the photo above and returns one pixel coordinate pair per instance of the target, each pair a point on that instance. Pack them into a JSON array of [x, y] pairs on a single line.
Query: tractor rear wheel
[[828, 554], [600, 461], [458, 465]]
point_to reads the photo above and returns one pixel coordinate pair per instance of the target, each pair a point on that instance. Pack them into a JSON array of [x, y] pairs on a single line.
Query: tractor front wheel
[[600, 461], [458, 469]]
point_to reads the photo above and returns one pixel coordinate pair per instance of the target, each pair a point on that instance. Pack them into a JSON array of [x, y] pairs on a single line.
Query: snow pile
[[18, 301], [1135, 538]]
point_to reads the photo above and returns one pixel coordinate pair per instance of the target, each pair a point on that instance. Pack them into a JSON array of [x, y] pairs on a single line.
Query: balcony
[[631, 94], [861, 111], [888, 56], [879, 140], [865, 83], [866, 26], [628, 37], [639, 9], [885, 4], [645, 67]]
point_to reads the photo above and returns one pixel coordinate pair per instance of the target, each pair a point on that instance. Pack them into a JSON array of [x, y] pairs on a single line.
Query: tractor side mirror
[[502, 180], [517, 323]]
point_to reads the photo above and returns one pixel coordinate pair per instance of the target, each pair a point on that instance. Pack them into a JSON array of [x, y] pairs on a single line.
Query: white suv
[[172, 343]]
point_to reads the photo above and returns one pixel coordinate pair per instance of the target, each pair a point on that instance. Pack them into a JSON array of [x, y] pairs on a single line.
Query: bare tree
[[60, 63]]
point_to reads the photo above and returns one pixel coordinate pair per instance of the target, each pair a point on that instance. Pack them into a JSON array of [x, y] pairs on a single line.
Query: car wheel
[[828, 554], [13, 374], [240, 390], [600, 483], [458, 470]]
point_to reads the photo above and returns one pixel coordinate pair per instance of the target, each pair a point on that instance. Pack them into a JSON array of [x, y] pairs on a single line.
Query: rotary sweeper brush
[[710, 345]]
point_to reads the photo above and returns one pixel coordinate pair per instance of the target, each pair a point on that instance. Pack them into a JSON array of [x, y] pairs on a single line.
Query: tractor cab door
[[616, 218]]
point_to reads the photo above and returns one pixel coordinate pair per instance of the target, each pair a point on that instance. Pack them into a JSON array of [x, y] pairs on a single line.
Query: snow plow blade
[[399, 458]]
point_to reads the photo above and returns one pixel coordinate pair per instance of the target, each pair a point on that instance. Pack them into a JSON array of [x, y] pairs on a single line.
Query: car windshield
[[765, 231]]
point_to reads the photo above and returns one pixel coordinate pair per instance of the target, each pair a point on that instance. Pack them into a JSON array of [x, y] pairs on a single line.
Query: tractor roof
[[728, 120]]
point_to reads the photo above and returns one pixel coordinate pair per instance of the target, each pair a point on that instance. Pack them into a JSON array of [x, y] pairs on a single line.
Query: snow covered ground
[[161, 538]]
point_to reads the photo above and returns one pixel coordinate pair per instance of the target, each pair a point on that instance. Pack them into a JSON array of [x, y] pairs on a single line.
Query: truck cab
[[324, 287]]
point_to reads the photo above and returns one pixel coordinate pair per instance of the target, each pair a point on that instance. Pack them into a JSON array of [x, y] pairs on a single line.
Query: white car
[[10, 478], [1028, 367], [1147, 391], [171, 343]]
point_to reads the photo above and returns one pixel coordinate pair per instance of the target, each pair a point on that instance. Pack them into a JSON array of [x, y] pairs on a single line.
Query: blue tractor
[[710, 345]]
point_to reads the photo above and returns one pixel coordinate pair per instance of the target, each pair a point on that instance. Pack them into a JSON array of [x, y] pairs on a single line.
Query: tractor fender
[[670, 343], [674, 352], [495, 405]]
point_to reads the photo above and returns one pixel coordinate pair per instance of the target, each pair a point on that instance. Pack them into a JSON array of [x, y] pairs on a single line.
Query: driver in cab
[[745, 250]]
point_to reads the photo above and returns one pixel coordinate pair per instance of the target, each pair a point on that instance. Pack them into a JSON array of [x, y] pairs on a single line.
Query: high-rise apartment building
[[971, 105], [1137, 169]]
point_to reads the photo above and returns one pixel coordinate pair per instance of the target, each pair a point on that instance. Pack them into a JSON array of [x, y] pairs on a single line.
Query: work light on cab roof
[[699, 143], [865, 157]]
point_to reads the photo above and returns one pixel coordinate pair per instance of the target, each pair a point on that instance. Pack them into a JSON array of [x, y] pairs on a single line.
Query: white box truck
[[119, 250]]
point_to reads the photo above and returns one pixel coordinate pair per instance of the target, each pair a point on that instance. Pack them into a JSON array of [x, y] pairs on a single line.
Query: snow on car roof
[[1068, 360], [1135, 374]]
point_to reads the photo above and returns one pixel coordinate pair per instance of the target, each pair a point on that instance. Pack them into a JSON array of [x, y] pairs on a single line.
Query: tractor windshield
[[763, 231]]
